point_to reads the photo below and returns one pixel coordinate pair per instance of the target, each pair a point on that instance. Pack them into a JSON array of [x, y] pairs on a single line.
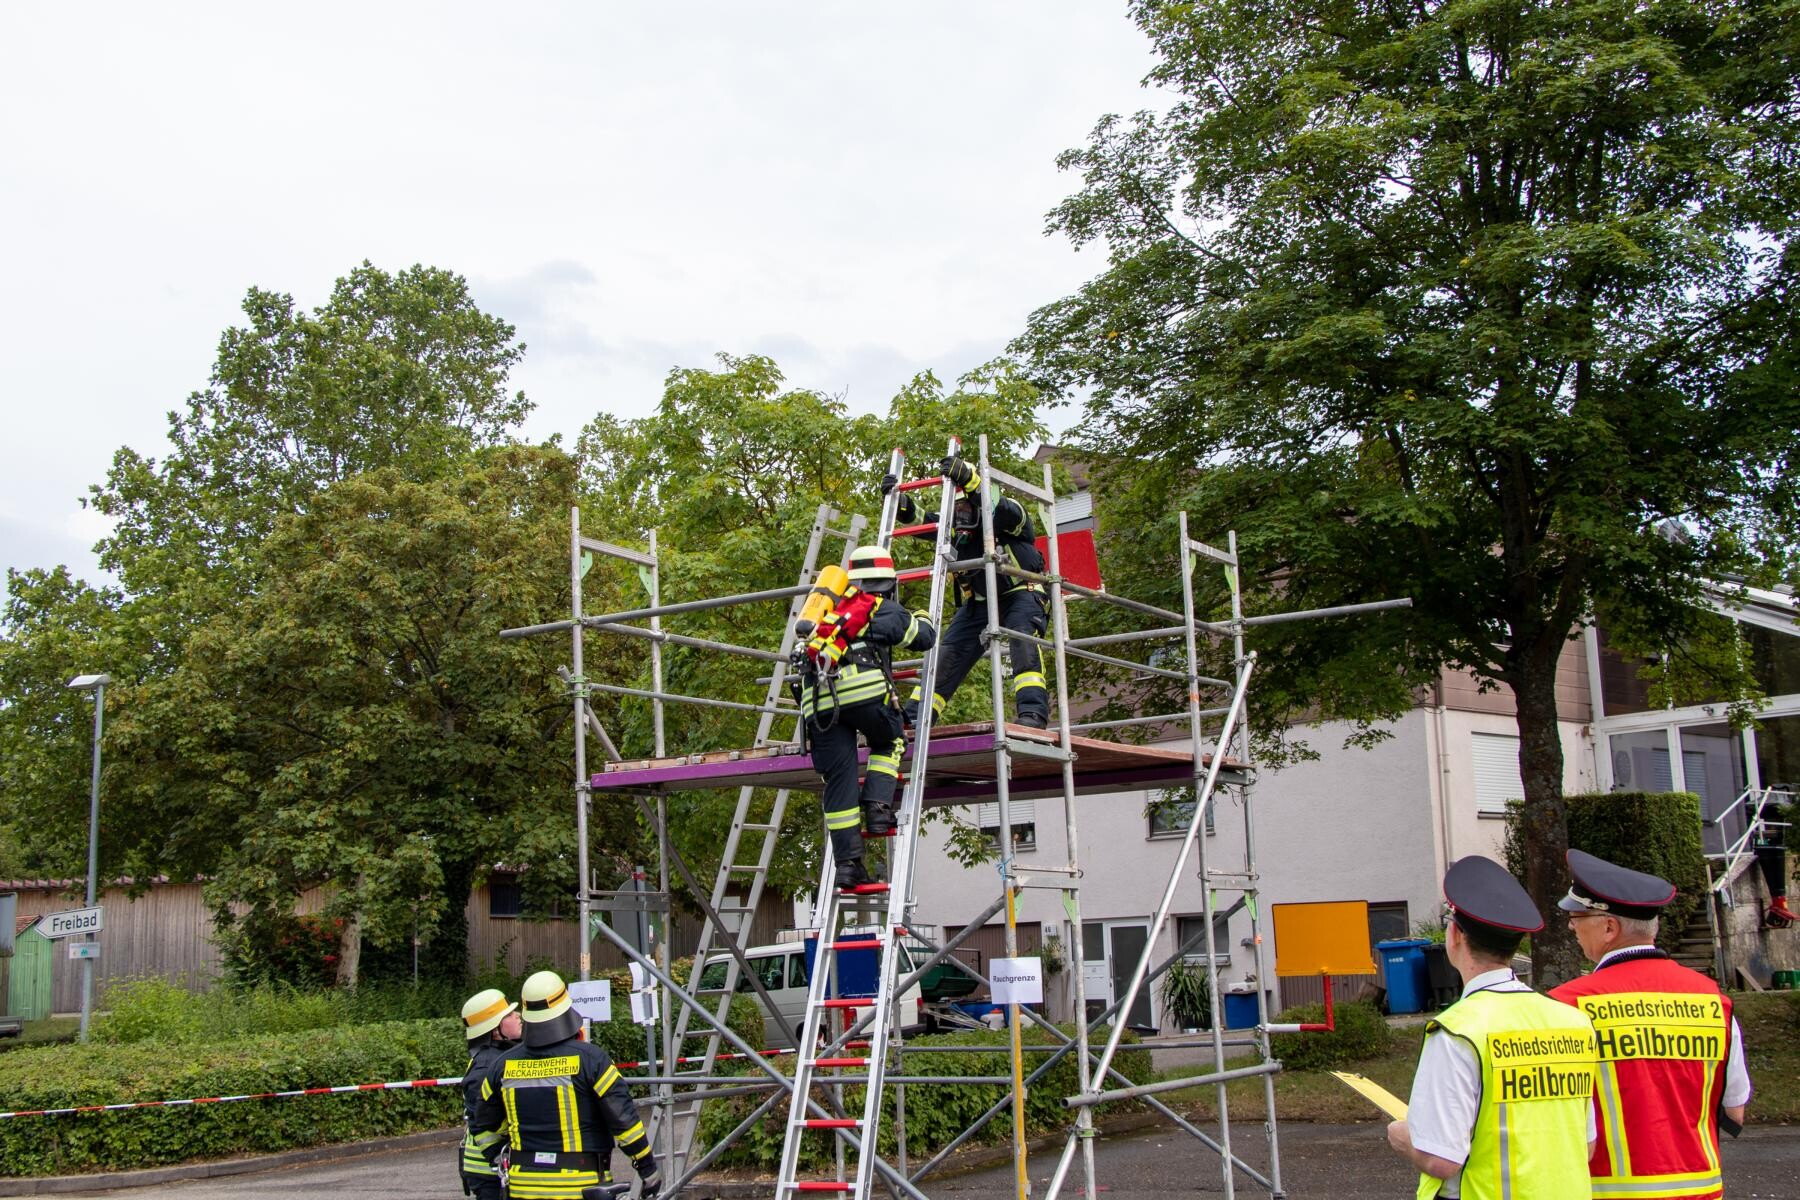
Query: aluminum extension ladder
[[751, 869], [817, 1072]]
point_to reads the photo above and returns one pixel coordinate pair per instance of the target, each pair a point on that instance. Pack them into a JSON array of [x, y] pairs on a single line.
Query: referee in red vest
[[1671, 1055]]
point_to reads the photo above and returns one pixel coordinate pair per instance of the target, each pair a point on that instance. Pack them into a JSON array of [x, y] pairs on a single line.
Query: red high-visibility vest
[[1665, 1034]]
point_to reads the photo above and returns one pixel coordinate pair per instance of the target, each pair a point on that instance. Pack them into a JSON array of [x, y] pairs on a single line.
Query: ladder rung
[[886, 834], [714, 991], [857, 944], [822, 1185], [914, 575], [856, 1002], [744, 867], [864, 889], [913, 485], [840, 1062], [831, 1122], [758, 825], [732, 908], [915, 530]]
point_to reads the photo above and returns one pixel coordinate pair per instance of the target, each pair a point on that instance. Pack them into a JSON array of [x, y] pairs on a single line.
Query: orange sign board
[[1323, 938]]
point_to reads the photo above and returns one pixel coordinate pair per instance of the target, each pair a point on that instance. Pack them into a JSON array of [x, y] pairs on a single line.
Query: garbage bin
[[1240, 1009], [1441, 977], [1404, 974]]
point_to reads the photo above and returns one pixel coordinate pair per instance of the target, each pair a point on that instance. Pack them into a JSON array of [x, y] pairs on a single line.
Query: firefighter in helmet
[[491, 1026], [847, 690], [1021, 601], [560, 1105]]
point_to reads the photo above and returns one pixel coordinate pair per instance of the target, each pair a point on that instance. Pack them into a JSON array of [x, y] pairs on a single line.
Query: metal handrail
[[1743, 849]]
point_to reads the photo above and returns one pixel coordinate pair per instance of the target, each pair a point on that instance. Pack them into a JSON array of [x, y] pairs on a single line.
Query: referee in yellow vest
[[1501, 1105]]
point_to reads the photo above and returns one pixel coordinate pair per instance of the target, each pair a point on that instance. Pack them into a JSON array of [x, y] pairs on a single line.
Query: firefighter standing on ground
[[560, 1105], [1671, 1054], [1021, 602], [848, 691], [491, 1026], [1500, 1106]]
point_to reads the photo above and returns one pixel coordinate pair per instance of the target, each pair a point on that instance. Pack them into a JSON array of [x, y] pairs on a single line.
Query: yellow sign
[[1540, 1064], [1374, 1093], [542, 1068], [1327, 938], [1658, 1025]]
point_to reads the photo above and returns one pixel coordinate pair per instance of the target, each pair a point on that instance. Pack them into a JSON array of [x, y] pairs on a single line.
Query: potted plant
[[1187, 994]]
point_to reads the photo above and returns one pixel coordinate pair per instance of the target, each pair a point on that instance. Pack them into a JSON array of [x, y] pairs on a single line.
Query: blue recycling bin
[[1240, 1010], [1404, 974]]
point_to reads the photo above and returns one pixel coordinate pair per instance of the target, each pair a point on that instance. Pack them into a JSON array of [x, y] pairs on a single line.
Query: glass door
[[1712, 767], [1125, 946]]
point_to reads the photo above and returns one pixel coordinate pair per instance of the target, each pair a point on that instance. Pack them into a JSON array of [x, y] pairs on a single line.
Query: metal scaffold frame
[[816, 1102]]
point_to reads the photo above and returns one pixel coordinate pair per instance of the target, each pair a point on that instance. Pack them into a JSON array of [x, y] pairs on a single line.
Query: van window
[[714, 975], [797, 970], [770, 970]]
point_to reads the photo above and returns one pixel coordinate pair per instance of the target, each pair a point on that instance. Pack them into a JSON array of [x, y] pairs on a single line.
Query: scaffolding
[[952, 765]]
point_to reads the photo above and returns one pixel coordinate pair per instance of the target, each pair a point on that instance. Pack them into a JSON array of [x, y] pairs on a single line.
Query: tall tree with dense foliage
[[1490, 305], [398, 380]]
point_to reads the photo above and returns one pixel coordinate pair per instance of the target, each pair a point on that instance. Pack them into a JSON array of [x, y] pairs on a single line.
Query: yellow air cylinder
[[827, 591]]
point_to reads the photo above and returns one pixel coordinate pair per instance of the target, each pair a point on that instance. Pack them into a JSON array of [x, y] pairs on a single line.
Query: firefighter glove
[[650, 1183], [958, 472], [889, 482]]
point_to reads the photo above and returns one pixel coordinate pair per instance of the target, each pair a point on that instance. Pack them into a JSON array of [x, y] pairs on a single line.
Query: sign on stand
[[80, 950], [592, 998], [70, 922], [1017, 980]]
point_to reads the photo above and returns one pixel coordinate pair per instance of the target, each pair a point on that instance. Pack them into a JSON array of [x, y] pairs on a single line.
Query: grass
[[1770, 1020], [43, 1033]]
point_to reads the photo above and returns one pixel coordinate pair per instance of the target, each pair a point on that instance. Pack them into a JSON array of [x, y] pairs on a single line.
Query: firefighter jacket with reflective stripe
[[478, 1149], [1014, 536], [862, 674], [1537, 1063], [560, 1108], [1664, 1034]]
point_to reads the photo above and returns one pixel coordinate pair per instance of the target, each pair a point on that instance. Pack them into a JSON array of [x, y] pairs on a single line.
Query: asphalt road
[[1335, 1162]]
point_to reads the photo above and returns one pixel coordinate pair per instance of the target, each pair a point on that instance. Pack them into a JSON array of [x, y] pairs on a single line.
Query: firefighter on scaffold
[[1021, 601], [846, 689]]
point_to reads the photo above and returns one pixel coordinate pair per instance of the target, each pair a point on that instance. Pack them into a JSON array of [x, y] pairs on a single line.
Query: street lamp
[[97, 685]]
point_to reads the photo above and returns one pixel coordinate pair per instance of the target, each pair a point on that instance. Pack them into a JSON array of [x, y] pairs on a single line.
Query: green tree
[[1471, 302], [358, 725], [729, 471], [399, 374]]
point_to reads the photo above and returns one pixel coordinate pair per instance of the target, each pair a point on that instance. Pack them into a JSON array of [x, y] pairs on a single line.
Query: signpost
[[84, 950], [70, 922]]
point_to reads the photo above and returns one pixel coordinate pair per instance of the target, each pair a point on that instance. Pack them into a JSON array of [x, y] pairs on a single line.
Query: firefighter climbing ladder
[[749, 873], [893, 901], [814, 1092]]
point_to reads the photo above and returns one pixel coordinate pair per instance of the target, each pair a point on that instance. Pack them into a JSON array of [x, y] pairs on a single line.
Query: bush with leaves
[[1361, 1033], [935, 1113], [65, 1076]]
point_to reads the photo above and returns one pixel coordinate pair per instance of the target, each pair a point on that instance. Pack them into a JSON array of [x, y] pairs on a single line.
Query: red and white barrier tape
[[394, 1086]]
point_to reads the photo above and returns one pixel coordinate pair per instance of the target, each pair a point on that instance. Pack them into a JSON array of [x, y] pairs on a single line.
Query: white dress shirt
[[1446, 1089]]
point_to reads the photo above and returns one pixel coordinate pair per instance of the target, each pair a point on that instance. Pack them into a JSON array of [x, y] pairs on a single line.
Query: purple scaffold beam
[[746, 771]]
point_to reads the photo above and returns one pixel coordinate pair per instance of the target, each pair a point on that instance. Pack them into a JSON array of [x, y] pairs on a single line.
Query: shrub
[[270, 948], [1361, 1033], [65, 1076], [935, 1113], [1658, 832]]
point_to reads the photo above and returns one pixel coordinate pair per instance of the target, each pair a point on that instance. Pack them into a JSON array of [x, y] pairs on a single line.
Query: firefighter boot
[[851, 874], [878, 819]]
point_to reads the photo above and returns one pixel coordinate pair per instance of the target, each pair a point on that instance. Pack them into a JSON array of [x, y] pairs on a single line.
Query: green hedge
[[935, 1113], [1361, 1033], [1658, 832], [164, 1069], [66, 1076]]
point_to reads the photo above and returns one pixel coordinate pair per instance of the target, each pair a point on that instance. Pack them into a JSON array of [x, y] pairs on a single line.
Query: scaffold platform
[[960, 768]]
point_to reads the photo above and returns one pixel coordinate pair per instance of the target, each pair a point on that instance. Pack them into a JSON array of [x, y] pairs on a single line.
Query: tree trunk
[[1544, 830], [350, 952]]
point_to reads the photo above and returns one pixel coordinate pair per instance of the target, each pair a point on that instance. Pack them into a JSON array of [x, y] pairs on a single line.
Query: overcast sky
[[858, 192]]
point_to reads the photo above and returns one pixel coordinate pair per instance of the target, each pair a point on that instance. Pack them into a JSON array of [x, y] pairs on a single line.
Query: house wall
[[1353, 825], [166, 931]]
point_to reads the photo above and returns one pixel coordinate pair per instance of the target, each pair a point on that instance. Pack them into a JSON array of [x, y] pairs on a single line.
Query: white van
[[782, 970]]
